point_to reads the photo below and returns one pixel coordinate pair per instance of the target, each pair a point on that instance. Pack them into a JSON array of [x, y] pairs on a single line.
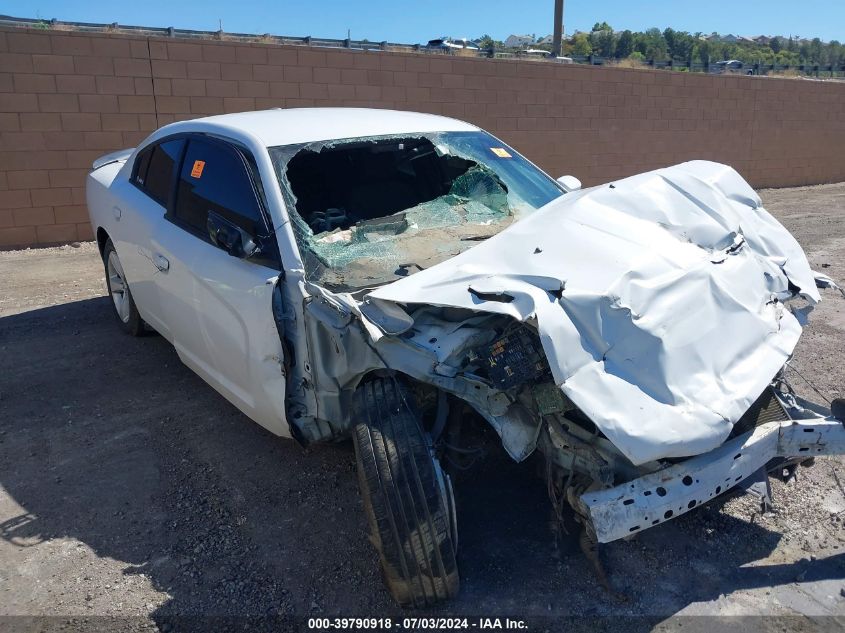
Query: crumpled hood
[[657, 300]]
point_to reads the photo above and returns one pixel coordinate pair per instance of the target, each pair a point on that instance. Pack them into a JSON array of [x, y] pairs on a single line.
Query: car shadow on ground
[[111, 441]]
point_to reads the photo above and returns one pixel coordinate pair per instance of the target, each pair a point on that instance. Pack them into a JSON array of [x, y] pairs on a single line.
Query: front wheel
[[122, 301], [407, 497]]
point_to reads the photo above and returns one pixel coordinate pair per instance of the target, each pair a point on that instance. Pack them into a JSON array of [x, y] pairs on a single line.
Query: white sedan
[[390, 276]]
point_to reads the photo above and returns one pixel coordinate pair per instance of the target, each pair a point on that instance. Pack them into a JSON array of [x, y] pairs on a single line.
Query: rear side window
[[214, 177], [142, 164], [157, 169]]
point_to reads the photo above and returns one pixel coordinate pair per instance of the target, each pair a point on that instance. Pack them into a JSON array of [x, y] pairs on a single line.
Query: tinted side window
[[162, 169], [214, 178], [142, 163], [157, 168]]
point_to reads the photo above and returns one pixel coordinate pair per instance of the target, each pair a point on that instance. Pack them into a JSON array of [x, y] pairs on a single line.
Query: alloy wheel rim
[[117, 287]]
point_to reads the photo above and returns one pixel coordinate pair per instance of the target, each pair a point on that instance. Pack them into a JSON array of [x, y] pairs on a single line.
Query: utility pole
[[558, 32]]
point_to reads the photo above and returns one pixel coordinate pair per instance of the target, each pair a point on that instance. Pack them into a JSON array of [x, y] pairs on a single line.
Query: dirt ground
[[134, 497]]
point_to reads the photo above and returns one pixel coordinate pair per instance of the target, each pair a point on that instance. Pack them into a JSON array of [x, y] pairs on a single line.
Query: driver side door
[[219, 306]]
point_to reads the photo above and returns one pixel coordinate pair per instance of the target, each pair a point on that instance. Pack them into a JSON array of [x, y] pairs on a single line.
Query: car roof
[[304, 125]]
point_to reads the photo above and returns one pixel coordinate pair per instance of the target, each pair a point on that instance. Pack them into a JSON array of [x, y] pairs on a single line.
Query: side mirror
[[569, 183], [230, 237]]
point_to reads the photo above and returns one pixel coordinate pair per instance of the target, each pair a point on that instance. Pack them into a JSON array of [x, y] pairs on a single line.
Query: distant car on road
[[449, 44], [732, 67], [539, 53]]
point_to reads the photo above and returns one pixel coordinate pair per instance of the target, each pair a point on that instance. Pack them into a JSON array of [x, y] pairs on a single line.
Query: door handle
[[161, 262]]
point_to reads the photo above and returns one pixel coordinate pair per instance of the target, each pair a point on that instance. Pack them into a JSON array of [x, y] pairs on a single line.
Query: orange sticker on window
[[501, 152], [196, 172]]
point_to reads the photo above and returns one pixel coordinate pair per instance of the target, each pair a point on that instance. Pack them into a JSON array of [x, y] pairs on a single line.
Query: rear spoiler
[[114, 157]]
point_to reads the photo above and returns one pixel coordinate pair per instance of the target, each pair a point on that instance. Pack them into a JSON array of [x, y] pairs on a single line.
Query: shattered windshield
[[367, 211]]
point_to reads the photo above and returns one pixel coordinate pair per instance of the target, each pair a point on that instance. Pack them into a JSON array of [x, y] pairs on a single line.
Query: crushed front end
[[634, 333], [632, 506]]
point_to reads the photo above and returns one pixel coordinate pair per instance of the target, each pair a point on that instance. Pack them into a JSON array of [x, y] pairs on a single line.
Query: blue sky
[[404, 21]]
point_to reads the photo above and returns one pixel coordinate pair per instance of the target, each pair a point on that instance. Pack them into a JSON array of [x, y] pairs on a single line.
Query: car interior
[[342, 185]]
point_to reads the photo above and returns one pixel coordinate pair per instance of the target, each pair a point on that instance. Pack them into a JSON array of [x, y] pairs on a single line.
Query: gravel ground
[[134, 497]]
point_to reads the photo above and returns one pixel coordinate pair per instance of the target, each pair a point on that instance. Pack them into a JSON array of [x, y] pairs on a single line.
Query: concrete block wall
[[67, 98]]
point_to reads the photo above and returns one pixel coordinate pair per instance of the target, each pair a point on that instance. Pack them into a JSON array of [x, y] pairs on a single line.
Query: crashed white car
[[386, 275]]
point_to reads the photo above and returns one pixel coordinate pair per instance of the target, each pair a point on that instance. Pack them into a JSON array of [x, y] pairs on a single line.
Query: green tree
[[787, 58], [603, 42], [804, 51], [658, 45], [815, 51], [655, 44], [625, 45], [581, 45], [669, 38], [684, 45], [705, 52], [835, 53], [485, 41]]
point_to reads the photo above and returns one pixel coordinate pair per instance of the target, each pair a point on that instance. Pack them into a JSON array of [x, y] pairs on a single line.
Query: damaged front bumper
[[629, 508]]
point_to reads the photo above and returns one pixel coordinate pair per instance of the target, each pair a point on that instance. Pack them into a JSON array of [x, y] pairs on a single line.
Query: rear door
[[219, 307], [144, 199]]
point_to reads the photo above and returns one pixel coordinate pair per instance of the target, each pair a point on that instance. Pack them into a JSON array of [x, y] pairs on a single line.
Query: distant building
[[730, 38], [765, 40], [519, 41], [549, 39]]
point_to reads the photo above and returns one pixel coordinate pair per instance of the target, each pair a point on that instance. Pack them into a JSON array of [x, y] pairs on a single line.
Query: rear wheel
[[122, 302], [407, 497]]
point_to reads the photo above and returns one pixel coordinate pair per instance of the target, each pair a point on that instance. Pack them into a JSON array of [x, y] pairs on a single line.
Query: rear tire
[[407, 497], [121, 298]]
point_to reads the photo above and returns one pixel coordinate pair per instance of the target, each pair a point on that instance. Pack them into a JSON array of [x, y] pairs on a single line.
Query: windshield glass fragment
[[367, 211]]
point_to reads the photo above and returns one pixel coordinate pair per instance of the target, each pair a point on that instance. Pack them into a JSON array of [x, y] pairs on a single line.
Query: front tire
[[122, 302], [407, 497]]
